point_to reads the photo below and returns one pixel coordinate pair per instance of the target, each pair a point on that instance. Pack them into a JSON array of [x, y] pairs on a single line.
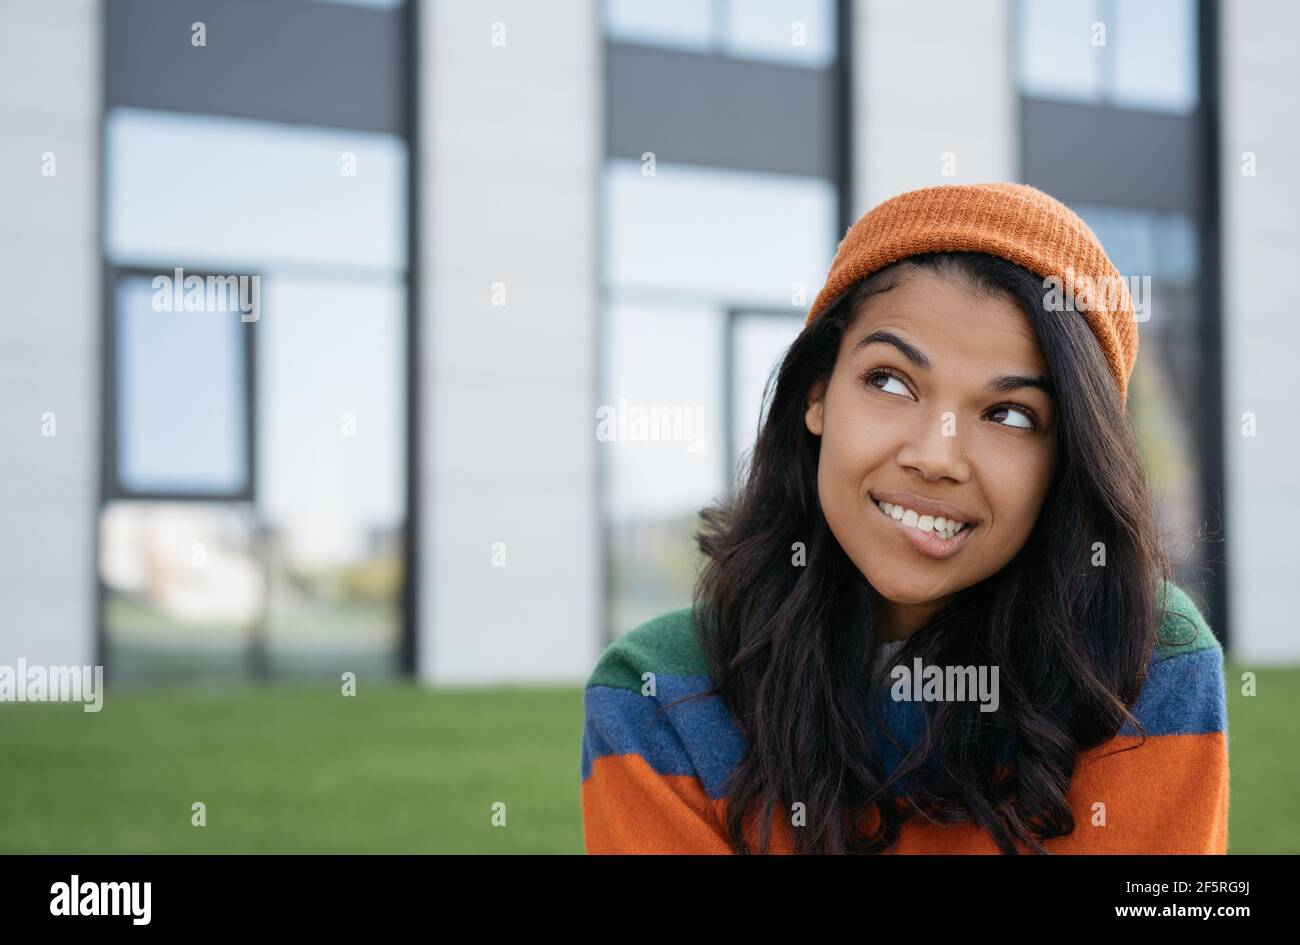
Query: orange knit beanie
[[1014, 221]]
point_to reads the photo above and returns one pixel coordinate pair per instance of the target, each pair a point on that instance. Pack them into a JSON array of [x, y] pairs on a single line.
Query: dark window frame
[[112, 488]]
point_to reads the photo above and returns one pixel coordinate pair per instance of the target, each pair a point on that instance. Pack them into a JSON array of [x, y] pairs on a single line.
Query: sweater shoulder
[[1183, 628], [664, 645], [1184, 692]]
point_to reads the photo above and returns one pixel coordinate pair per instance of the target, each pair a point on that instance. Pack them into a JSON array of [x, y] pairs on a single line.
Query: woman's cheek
[[1015, 481], [848, 458]]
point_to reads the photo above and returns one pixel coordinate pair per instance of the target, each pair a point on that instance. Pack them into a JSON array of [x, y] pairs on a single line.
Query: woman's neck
[[899, 621], [903, 620]]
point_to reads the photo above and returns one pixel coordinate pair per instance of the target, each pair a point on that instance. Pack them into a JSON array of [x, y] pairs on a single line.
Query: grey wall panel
[[721, 112], [1105, 155], [291, 60], [50, 333]]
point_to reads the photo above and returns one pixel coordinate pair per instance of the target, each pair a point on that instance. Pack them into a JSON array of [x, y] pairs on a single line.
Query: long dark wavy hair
[[789, 649]]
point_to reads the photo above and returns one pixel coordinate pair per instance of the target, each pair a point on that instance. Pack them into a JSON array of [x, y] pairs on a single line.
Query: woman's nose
[[936, 448]]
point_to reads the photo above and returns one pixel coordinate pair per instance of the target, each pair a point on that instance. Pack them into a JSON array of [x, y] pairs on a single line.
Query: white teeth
[[945, 528]]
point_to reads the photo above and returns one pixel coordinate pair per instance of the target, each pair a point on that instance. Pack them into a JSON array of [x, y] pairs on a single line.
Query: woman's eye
[[881, 379], [1026, 422]]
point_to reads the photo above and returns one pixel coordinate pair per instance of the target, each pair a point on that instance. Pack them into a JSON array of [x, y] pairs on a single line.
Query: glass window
[[796, 32], [184, 591], [1153, 44], [1148, 59], [682, 249], [788, 32], [664, 478], [223, 192], [679, 24], [385, 4], [1140, 243], [181, 396], [320, 216], [1165, 397], [330, 472], [759, 343], [746, 237], [703, 268], [666, 359], [1055, 49]]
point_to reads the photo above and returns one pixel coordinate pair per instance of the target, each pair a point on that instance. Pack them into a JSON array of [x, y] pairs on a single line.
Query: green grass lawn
[[295, 768], [299, 768]]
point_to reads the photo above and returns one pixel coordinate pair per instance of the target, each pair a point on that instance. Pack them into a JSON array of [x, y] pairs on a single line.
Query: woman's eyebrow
[[1009, 382], [1002, 384], [888, 337]]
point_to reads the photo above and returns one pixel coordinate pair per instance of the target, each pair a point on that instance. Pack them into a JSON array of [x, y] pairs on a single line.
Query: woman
[[937, 616]]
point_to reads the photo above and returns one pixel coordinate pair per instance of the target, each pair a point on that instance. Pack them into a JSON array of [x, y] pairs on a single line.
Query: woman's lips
[[929, 543]]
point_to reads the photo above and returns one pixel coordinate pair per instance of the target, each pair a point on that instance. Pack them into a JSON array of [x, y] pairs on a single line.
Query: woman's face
[[932, 407]]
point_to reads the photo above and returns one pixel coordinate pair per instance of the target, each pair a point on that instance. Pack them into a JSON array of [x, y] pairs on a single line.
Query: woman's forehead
[[947, 320]]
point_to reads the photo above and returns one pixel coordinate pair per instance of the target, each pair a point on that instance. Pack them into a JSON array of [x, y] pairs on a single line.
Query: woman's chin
[[899, 590]]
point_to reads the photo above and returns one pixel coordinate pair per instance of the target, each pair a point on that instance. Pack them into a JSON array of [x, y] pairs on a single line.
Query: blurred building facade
[[493, 239]]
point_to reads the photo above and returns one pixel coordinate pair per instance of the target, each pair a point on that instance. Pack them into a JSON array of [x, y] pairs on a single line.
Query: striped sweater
[[658, 784]]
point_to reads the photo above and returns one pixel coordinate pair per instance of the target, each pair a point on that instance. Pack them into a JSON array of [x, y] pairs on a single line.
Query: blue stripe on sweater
[[619, 721], [1183, 694]]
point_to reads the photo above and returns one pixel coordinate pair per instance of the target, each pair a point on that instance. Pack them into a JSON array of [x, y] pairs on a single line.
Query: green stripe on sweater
[[1184, 629], [665, 645]]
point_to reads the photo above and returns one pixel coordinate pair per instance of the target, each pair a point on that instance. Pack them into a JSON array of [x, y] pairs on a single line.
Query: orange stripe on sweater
[[1168, 796], [628, 807]]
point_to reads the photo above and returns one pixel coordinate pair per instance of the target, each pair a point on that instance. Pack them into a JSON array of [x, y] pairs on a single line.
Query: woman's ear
[[813, 416]]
